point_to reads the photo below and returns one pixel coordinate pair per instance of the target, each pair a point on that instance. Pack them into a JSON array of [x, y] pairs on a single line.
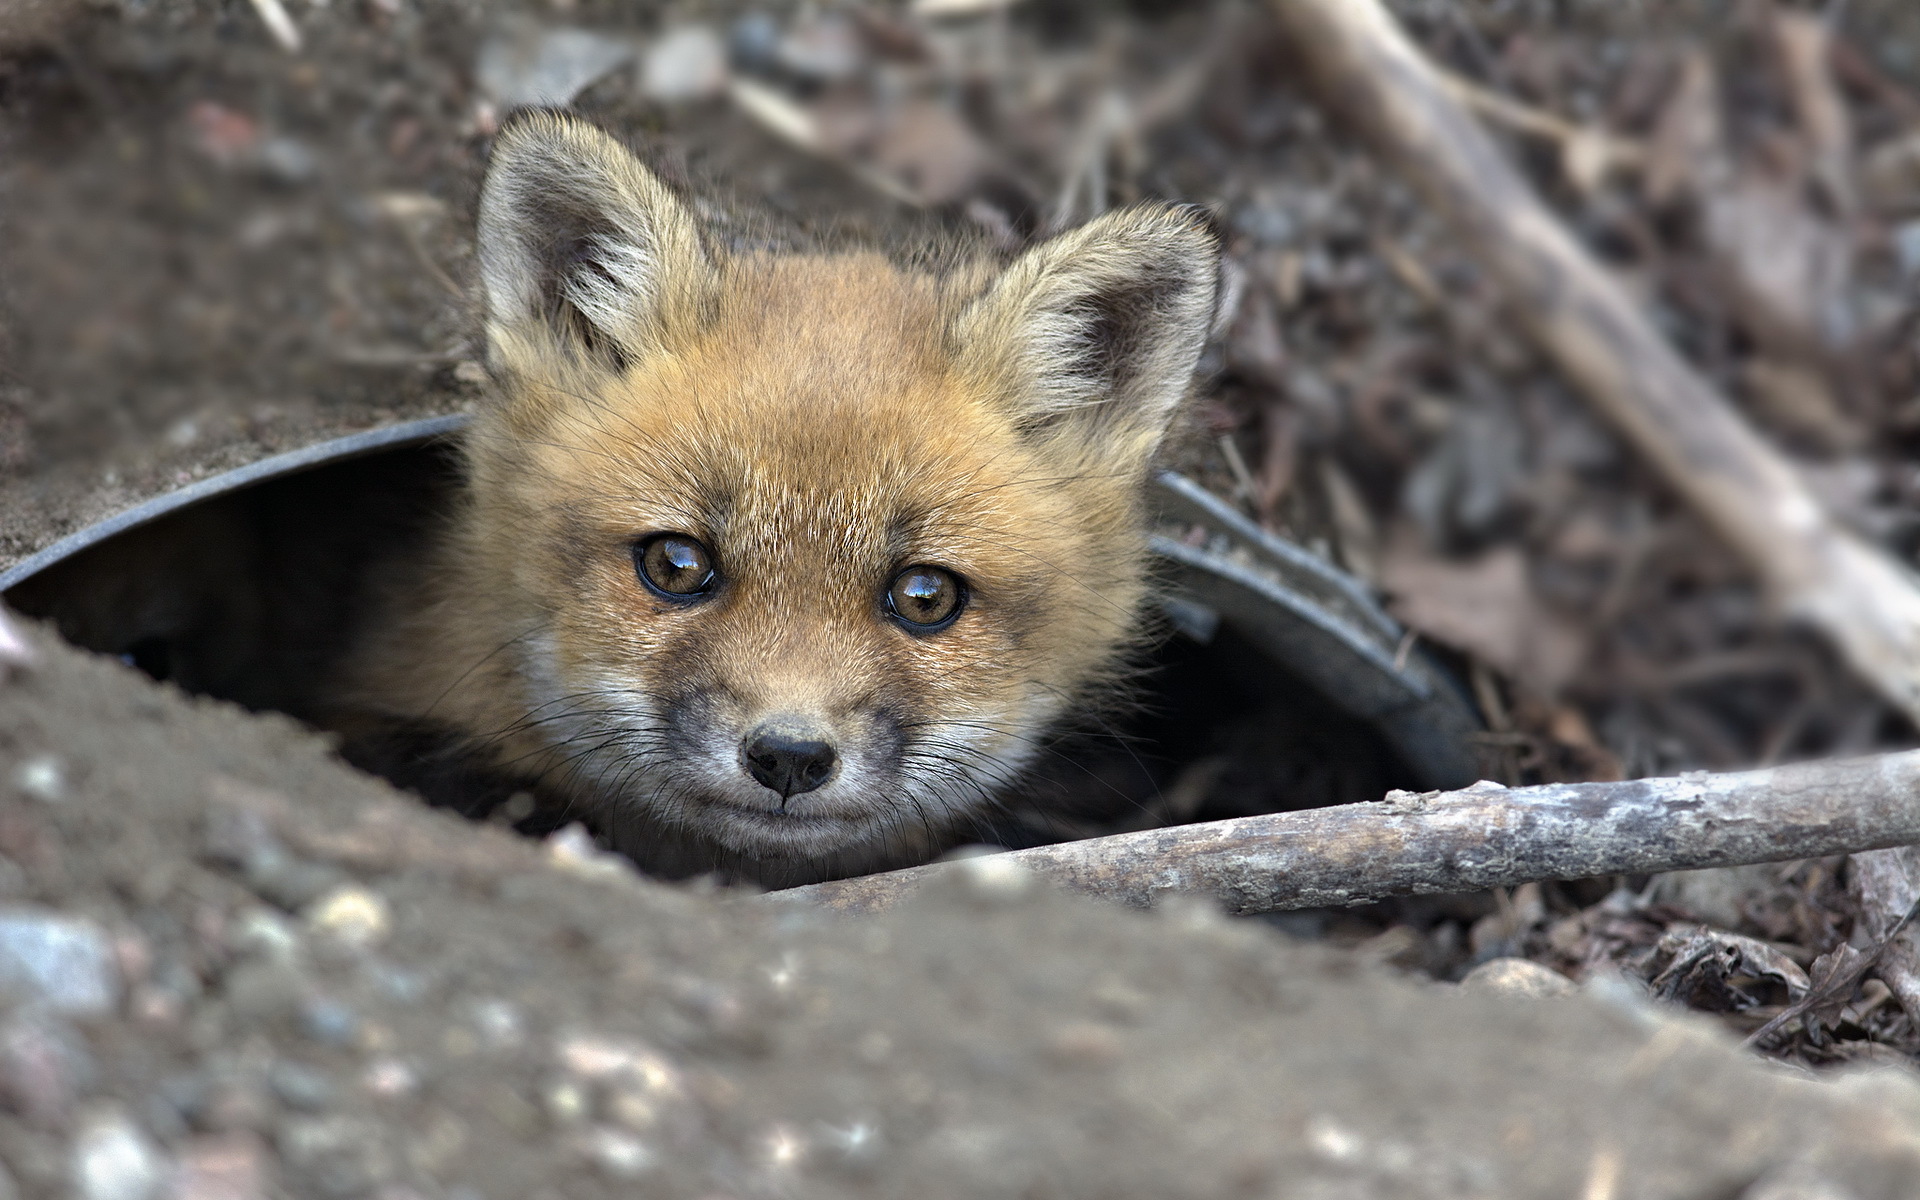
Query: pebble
[[266, 992], [754, 41], [113, 1160], [158, 1007], [329, 1022], [498, 1022], [15, 653], [1517, 977], [352, 916], [619, 1155], [65, 963], [573, 850], [566, 1103], [340, 1156], [266, 933], [607, 1058], [291, 882], [688, 63], [827, 48], [301, 1087], [226, 1167], [528, 65], [389, 1077], [1906, 245], [996, 876], [44, 1068], [42, 777]]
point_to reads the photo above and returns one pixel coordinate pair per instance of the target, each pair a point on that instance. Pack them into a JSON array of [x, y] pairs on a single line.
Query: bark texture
[[1480, 837]]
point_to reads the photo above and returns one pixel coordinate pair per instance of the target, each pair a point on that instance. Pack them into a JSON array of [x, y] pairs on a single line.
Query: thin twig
[[1481, 837]]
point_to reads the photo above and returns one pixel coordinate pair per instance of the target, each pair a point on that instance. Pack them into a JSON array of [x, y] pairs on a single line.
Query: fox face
[[793, 559]]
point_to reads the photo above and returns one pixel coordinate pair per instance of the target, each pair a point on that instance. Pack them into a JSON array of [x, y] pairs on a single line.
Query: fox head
[[803, 554]]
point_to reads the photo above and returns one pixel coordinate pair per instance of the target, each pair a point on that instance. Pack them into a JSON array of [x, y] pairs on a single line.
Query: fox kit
[[781, 565]]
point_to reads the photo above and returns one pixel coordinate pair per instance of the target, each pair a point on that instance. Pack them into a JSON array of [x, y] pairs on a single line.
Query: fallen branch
[[1481, 837], [1366, 70]]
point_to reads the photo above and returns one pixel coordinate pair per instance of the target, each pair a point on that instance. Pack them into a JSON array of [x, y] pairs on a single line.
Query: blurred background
[[232, 227]]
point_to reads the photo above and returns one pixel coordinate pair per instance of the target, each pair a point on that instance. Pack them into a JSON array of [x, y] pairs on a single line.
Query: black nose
[[788, 765]]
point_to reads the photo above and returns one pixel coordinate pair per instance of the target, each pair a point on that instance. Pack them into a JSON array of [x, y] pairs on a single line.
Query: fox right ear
[[583, 250], [1091, 338]]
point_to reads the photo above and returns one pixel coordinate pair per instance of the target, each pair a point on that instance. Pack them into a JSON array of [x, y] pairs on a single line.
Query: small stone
[[301, 1087], [1333, 1141], [288, 160], [44, 1068], [389, 1077], [329, 1022], [619, 1155], [617, 1060], [995, 876], [754, 41], [783, 1146], [16, 653], [572, 849], [633, 1110], [688, 63], [264, 993], [398, 983], [42, 777], [266, 933], [1906, 245], [524, 64], [352, 916], [232, 1103], [498, 1022], [566, 1103], [63, 962], [340, 1156], [291, 882], [1517, 977], [159, 1007], [827, 47], [113, 1160], [226, 1167]]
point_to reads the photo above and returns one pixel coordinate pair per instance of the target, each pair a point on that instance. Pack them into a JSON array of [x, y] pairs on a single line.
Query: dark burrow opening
[[252, 594]]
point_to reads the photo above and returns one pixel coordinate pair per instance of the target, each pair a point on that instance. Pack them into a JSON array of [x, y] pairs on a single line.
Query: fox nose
[[786, 763]]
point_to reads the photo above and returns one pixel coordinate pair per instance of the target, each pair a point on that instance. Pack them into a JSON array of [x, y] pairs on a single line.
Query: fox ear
[[1093, 336], [582, 249]]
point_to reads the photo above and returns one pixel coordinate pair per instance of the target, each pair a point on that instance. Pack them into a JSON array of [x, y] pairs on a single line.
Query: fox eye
[[675, 566], [926, 598]]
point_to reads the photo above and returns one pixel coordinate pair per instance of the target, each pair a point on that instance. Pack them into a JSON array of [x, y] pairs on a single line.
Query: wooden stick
[[1481, 837], [1366, 70]]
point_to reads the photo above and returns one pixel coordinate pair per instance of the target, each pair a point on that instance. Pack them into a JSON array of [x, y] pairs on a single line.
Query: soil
[[323, 989], [308, 985]]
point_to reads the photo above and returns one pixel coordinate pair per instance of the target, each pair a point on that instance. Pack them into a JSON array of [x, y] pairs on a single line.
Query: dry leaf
[[1486, 607]]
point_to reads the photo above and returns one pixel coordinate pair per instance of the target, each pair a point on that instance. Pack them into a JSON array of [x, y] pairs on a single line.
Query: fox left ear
[[1093, 336], [583, 250]]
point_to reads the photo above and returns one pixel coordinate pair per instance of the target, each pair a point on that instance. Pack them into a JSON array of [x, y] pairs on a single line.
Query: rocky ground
[[234, 968]]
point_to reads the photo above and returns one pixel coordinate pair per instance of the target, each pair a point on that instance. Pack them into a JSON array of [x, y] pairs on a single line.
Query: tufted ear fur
[[583, 252], [1092, 336]]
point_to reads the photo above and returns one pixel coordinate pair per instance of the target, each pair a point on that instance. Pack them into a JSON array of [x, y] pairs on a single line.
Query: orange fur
[[820, 423]]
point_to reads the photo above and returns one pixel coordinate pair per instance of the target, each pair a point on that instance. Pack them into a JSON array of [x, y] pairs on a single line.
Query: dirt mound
[[240, 969]]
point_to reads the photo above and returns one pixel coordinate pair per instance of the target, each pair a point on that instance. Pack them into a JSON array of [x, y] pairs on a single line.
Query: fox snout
[[789, 755]]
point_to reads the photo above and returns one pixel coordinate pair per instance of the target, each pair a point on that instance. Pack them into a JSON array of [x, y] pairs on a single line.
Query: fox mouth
[[777, 827]]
